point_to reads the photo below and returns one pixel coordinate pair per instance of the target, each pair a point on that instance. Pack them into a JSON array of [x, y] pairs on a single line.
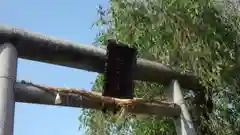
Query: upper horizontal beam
[[37, 47]]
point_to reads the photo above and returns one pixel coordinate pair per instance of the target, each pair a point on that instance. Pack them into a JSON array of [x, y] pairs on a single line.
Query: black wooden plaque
[[118, 77]]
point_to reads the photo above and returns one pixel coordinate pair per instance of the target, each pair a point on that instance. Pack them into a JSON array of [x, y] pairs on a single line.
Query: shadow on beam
[[37, 47], [36, 94]]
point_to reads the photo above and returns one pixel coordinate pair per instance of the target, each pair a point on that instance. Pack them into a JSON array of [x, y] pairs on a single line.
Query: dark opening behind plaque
[[118, 81]]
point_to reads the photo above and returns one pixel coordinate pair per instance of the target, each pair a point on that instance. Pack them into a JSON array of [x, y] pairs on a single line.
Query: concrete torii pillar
[[183, 123], [8, 67]]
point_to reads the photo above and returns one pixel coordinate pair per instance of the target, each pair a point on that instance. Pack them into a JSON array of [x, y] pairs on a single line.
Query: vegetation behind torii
[[191, 36]]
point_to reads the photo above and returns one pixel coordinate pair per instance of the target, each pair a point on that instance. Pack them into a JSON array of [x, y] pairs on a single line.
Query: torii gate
[[17, 43]]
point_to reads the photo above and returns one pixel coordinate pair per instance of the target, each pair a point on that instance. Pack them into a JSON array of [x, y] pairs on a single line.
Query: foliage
[[190, 36]]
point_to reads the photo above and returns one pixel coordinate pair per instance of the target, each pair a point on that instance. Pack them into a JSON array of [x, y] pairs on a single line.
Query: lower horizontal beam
[[31, 93]]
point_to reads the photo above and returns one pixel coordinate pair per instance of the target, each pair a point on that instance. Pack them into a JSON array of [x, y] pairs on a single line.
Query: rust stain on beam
[[38, 94]]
